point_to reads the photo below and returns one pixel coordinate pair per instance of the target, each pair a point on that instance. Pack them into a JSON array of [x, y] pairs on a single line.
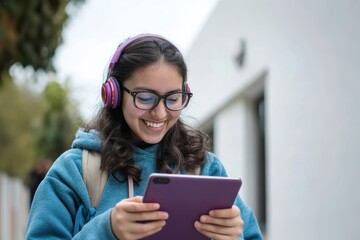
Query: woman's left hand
[[223, 224]]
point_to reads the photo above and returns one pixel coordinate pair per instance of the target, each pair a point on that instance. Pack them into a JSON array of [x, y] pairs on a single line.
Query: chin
[[153, 140]]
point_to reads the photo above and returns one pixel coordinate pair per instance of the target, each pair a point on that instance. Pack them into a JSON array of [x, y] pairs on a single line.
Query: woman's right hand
[[132, 219]]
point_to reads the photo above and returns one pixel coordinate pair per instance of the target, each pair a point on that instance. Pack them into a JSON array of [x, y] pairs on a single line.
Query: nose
[[160, 111]]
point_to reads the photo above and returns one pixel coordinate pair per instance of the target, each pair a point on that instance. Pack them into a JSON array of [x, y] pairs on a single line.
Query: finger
[[218, 232], [226, 222], [148, 216], [142, 230], [220, 229], [232, 212], [134, 230], [213, 235], [133, 206]]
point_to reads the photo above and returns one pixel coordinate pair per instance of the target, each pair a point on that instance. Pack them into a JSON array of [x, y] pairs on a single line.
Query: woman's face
[[150, 126]]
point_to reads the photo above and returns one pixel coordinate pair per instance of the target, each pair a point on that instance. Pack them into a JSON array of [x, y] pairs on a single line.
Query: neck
[[140, 144]]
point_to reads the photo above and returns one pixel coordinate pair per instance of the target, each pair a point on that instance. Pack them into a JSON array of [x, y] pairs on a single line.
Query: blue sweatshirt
[[62, 196]]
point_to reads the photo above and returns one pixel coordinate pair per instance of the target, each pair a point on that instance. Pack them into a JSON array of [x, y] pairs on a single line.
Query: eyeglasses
[[148, 100]]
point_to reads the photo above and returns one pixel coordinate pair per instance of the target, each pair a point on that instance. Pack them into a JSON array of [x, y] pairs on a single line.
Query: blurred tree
[[58, 121], [18, 108], [30, 32], [34, 126]]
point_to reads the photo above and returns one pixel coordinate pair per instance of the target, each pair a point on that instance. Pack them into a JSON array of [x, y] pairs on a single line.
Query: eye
[[173, 98], [145, 98]]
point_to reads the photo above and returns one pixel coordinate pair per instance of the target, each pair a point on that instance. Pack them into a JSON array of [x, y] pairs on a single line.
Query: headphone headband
[[119, 50]]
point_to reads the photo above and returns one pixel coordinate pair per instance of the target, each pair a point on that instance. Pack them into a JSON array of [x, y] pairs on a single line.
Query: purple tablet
[[186, 198]]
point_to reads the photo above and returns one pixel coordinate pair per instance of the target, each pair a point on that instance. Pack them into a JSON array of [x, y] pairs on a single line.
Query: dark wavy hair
[[182, 146]]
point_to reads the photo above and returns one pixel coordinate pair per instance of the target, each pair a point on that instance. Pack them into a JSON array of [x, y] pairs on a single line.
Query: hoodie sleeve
[[57, 200], [251, 230]]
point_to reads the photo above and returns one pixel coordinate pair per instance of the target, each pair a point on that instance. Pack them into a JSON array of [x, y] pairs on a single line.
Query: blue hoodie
[[62, 196]]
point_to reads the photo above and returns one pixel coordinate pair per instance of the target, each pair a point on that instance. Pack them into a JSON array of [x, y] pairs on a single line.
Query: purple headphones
[[111, 89]]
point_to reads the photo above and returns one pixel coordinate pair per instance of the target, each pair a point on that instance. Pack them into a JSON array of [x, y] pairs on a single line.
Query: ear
[[186, 88]]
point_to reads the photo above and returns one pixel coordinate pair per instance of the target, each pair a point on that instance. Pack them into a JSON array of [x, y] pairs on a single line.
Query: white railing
[[14, 208]]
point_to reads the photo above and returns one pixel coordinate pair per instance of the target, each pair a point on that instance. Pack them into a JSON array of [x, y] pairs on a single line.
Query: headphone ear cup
[[106, 94], [117, 101], [111, 93]]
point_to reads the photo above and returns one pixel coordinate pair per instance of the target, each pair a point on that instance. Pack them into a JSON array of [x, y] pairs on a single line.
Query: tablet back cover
[[186, 198]]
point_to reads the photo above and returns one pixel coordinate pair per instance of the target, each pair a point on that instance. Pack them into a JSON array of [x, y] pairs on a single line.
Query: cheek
[[126, 102], [129, 110], [175, 116]]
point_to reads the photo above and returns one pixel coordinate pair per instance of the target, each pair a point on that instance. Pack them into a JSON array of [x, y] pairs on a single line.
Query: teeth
[[155, 125]]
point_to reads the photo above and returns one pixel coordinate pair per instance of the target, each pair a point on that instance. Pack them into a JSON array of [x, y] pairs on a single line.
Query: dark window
[[210, 132], [260, 123]]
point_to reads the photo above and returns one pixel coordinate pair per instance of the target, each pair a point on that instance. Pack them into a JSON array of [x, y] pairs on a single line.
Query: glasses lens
[[149, 100], [145, 100], [176, 101]]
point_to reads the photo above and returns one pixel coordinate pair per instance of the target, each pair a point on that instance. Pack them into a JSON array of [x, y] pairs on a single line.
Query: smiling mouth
[[154, 125]]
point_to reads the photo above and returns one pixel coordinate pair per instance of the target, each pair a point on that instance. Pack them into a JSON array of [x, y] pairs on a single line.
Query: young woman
[[137, 132]]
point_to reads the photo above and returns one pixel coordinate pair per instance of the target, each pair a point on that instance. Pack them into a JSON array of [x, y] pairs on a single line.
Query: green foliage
[[30, 32], [18, 109], [34, 126], [58, 122]]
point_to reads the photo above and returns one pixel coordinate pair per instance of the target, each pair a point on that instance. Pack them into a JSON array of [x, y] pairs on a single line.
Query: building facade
[[277, 86]]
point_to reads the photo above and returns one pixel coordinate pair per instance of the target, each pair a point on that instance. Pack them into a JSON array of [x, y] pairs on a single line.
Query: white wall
[[311, 53], [14, 205]]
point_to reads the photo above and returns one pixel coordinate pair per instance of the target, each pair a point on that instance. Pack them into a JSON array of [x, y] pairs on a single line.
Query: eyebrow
[[140, 89]]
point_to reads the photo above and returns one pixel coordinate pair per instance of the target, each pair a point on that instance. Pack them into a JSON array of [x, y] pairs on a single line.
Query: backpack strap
[[93, 177]]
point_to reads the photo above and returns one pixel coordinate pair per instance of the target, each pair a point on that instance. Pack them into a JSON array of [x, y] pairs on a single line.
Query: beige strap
[[94, 178], [131, 187]]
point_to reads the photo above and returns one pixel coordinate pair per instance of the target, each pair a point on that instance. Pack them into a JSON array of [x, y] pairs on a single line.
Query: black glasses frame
[[159, 97]]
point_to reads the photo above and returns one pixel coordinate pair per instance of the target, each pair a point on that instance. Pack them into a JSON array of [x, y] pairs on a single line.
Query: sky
[[95, 30]]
